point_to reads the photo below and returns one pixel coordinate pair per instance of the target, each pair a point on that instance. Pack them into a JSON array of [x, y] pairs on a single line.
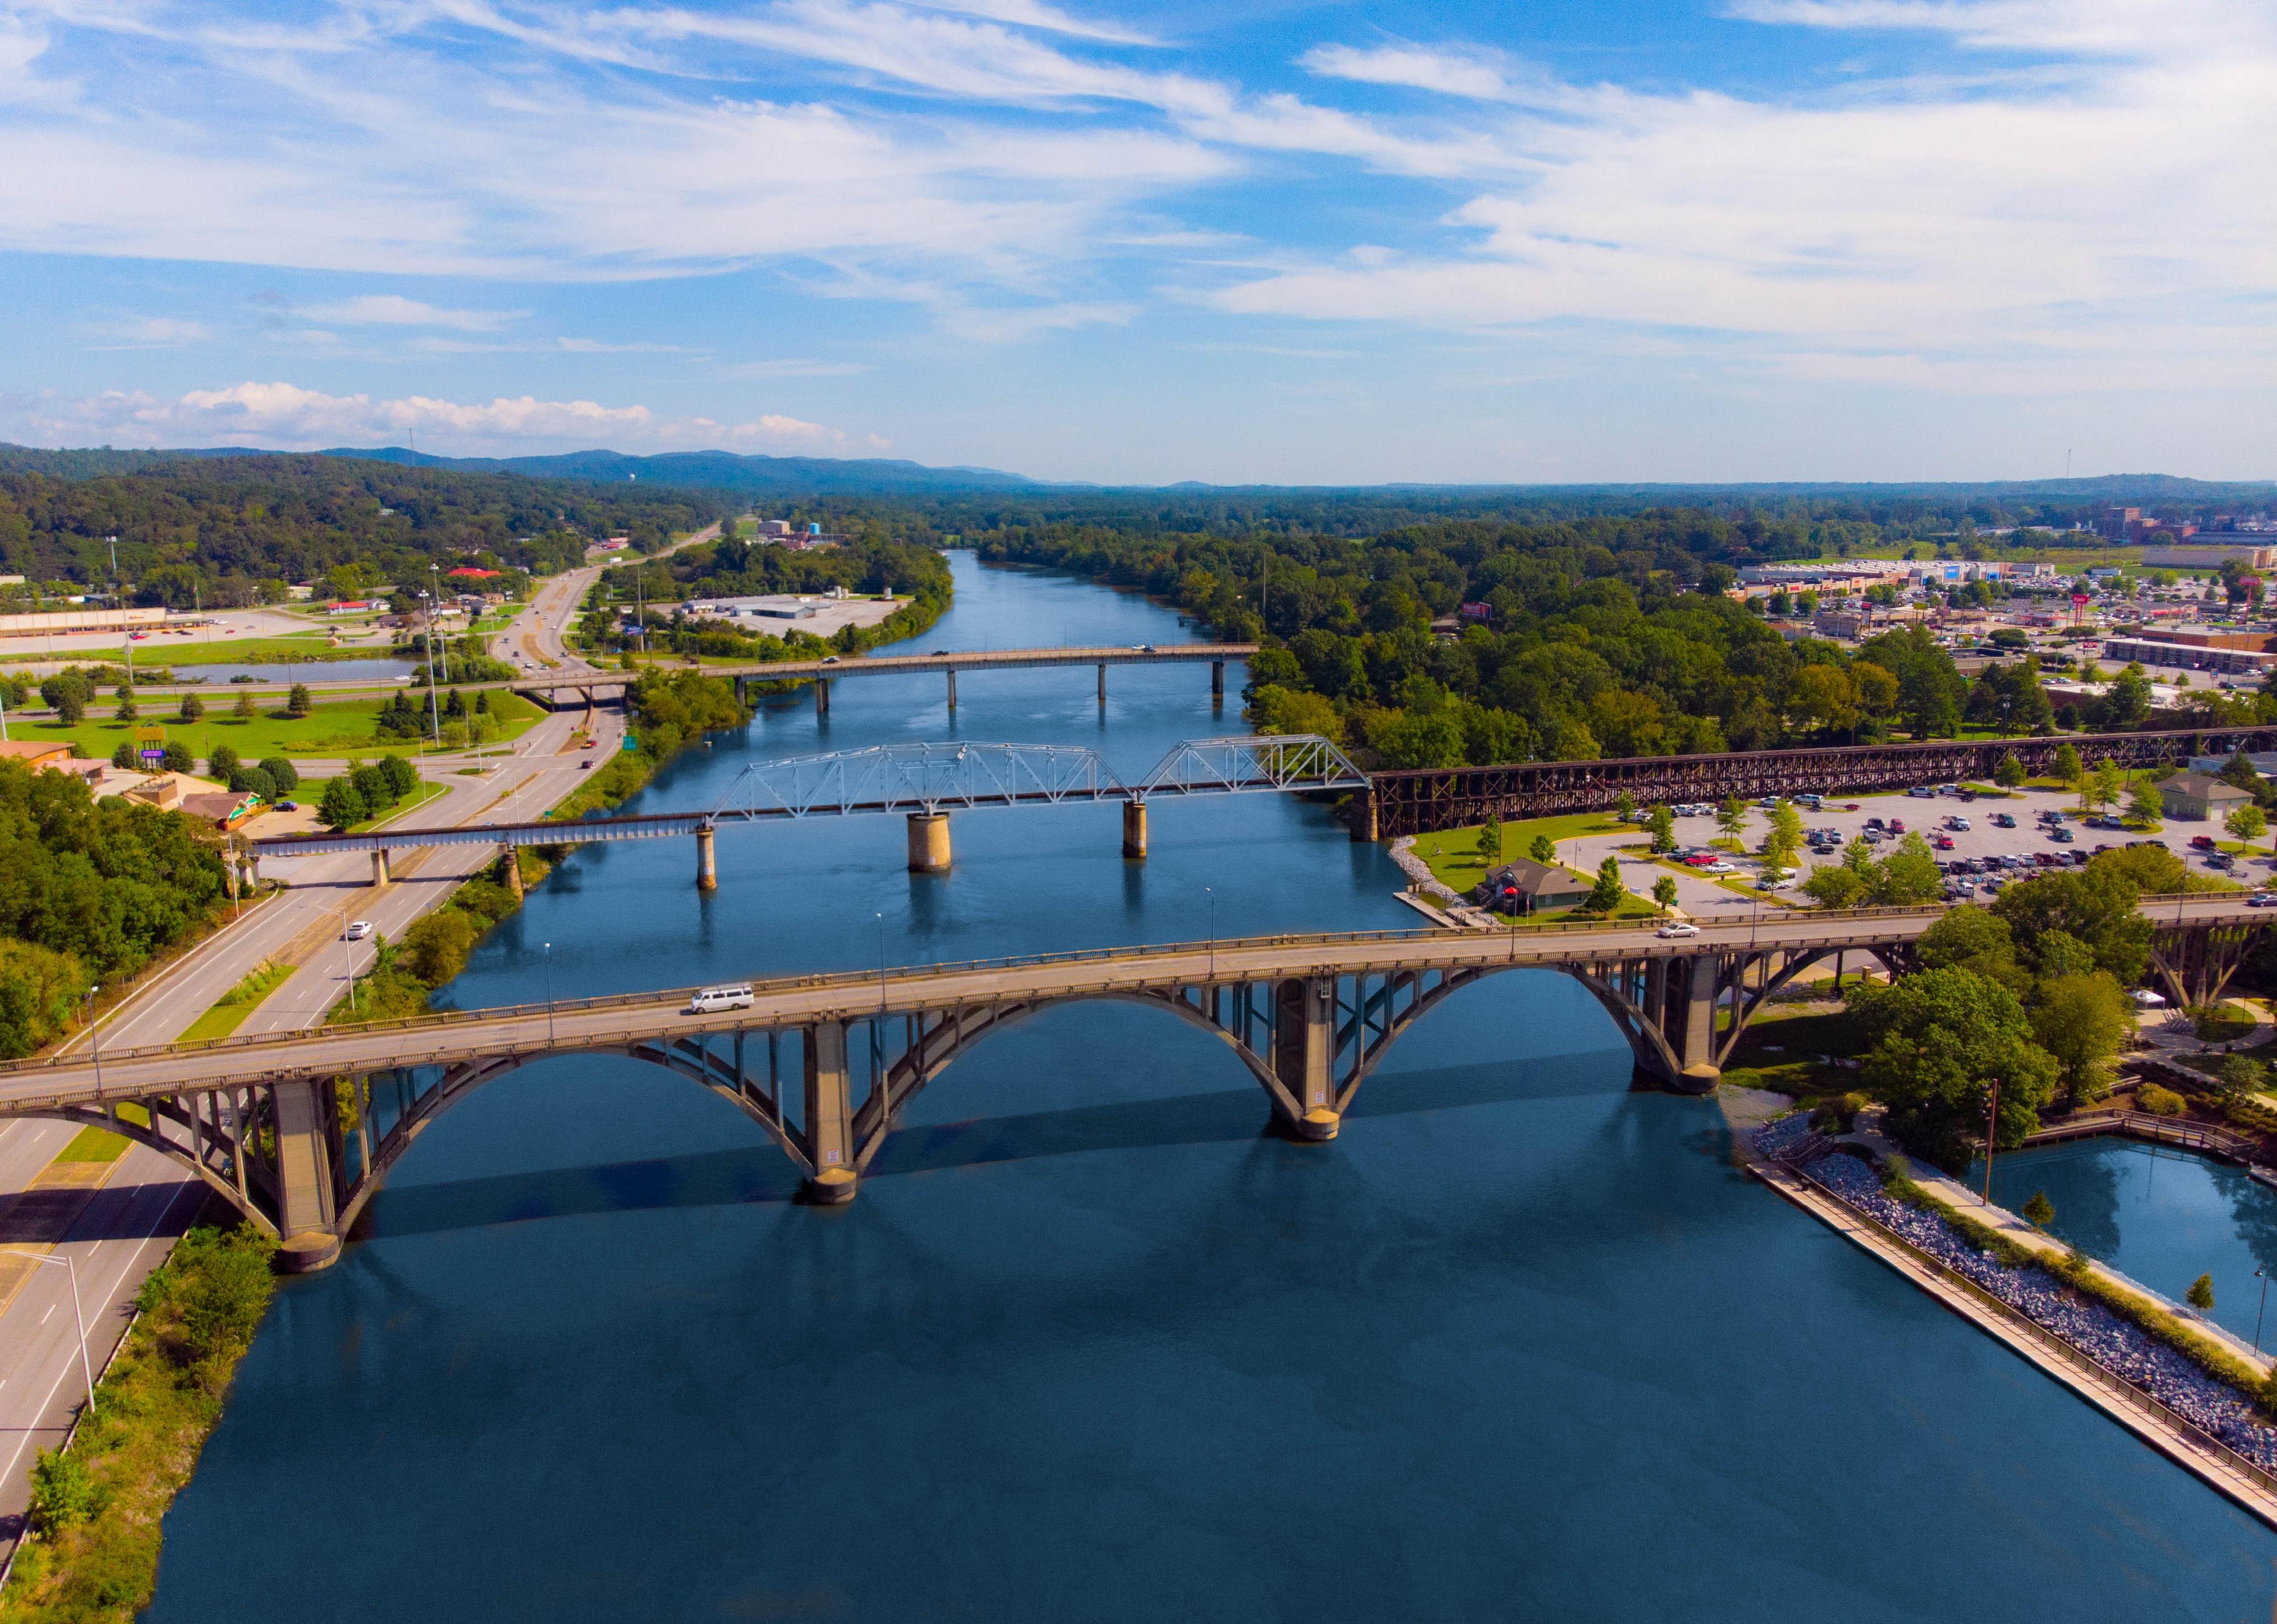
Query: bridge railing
[[824, 981]]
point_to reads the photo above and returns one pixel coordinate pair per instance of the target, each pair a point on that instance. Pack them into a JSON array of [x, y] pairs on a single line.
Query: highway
[[127, 1224], [617, 1022]]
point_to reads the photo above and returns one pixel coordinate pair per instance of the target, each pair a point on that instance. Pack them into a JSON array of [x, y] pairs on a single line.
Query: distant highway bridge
[[826, 1063]]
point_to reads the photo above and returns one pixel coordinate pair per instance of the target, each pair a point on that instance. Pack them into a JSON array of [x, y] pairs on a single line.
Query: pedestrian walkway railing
[[2143, 1125], [2104, 1379]]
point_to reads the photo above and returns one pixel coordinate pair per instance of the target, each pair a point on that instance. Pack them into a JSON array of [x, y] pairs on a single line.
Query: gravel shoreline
[[2122, 1348]]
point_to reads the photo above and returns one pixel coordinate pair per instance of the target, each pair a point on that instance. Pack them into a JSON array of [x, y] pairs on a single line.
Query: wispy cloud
[[794, 369], [395, 310], [287, 417], [152, 333]]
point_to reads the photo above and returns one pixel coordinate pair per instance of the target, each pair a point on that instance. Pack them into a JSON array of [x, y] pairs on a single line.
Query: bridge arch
[[174, 1151]]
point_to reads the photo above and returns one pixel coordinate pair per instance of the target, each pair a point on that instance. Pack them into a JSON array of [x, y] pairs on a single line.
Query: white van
[[710, 999]]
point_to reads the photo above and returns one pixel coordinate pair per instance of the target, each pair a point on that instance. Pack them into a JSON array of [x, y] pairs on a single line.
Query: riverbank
[[2187, 1396]]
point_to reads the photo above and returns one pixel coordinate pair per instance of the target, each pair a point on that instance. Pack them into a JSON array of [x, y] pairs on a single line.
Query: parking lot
[[1982, 839]]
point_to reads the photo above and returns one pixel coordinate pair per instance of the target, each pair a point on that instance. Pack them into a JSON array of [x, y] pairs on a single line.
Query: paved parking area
[[1701, 897]]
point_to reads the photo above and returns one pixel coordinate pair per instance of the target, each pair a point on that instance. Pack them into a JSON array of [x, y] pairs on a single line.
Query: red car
[[1897, 826], [1943, 843], [2201, 842]]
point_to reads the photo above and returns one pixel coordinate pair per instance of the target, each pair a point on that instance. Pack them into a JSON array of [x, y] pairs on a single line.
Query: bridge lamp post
[[85, 1367], [549, 992], [2261, 1275], [94, 1037], [1212, 931], [1992, 1123]]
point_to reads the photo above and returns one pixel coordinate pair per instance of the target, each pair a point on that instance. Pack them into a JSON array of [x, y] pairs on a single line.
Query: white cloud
[[288, 417], [1464, 74], [394, 310], [153, 332]]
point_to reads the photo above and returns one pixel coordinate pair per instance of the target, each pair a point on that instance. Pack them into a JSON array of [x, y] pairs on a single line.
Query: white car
[[1715, 868], [358, 931], [1678, 927]]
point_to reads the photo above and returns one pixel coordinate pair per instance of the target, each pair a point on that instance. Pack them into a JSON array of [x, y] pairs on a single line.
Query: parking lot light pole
[[1992, 1123]]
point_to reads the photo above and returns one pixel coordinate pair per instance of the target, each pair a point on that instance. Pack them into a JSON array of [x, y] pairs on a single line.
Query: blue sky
[[1145, 242]]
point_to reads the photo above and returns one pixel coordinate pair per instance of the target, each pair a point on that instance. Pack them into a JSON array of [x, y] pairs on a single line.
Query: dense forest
[[88, 890], [1605, 636], [231, 531]]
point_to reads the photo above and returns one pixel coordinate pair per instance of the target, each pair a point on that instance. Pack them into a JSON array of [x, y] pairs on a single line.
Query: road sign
[[629, 745]]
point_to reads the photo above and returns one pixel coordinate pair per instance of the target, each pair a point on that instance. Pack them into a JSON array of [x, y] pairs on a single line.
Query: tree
[[2039, 1212], [69, 700], [2125, 706], [1489, 844], [1732, 817], [1782, 846], [2201, 1294], [1835, 885], [1936, 1042], [435, 949], [2108, 786], [2095, 904], [251, 780], [1908, 876], [193, 708], [1974, 939], [2009, 775], [1543, 850], [126, 711], [2247, 823], [2083, 1021], [282, 772], [2067, 765], [178, 757], [341, 805], [1606, 895], [245, 709], [1663, 892], [125, 756], [297, 703], [223, 761], [1662, 823], [1625, 806], [400, 775]]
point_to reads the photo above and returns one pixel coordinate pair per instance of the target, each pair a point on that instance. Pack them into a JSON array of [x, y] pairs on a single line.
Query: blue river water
[[1520, 1343], [2163, 1216]]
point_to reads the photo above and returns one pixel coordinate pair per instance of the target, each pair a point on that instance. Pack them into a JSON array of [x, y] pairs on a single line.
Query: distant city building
[[2187, 656], [774, 607], [80, 620], [2246, 550]]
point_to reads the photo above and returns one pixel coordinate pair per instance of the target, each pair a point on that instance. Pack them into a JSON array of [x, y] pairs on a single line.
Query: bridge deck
[[620, 1021]]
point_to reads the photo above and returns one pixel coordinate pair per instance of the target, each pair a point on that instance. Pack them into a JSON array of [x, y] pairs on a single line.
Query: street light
[[1212, 931], [549, 992], [94, 1038], [2261, 1275], [85, 1367], [347, 959], [1992, 1118]]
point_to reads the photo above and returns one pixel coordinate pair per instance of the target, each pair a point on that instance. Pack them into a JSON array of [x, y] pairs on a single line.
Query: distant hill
[[725, 470]]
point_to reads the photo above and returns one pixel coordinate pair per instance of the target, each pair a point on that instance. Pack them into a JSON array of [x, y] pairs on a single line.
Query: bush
[[1840, 1114], [222, 763], [282, 772], [253, 781], [178, 757], [342, 806], [2161, 1101], [126, 757], [400, 775], [62, 1494], [435, 949]]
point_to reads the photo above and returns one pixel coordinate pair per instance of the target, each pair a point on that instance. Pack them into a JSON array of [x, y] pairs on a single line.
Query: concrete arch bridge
[[298, 1130]]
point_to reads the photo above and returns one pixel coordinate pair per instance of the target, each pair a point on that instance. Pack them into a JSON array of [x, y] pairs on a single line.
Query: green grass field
[[337, 727], [1454, 856], [237, 1003], [419, 797]]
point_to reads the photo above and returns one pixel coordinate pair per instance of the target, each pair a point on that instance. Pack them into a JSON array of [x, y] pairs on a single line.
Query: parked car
[[2219, 859], [1923, 792], [2201, 842], [1873, 823], [2003, 821], [1897, 826], [288, 807], [2062, 837]]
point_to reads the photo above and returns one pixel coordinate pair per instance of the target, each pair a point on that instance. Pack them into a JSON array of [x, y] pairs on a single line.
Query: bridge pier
[[1689, 1022], [1102, 685], [929, 843], [952, 690], [822, 696], [1363, 818], [1304, 1039], [1134, 828], [513, 873], [379, 874], [1217, 682], [829, 1124], [305, 1210], [707, 872]]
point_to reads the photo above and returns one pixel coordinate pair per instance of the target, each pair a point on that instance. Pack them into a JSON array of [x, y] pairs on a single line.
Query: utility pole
[[434, 705], [434, 573], [1992, 1124]]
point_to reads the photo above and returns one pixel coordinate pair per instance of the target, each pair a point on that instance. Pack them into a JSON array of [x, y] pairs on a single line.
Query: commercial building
[[57, 622], [1524, 886], [2251, 551], [2199, 798], [2186, 656]]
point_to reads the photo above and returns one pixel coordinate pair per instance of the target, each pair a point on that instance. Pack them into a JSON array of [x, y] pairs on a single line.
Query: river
[[1521, 1344]]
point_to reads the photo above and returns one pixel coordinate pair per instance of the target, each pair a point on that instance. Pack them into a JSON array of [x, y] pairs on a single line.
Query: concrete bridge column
[[305, 1213], [929, 843], [379, 874], [1217, 682], [1134, 828], [513, 871], [1691, 1030], [707, 871], [1304, 1041], [1363, 818], [1102, 685], [822, 696], [952, 690], [829, 1124]]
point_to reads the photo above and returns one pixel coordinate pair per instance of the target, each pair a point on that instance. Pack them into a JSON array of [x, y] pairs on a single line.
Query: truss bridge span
[[298, 1130], [1422, 800]]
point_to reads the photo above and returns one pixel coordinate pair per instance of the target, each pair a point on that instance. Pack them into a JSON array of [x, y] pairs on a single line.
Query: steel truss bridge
[[298, 1130], [1420, 801], [923, 781]]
